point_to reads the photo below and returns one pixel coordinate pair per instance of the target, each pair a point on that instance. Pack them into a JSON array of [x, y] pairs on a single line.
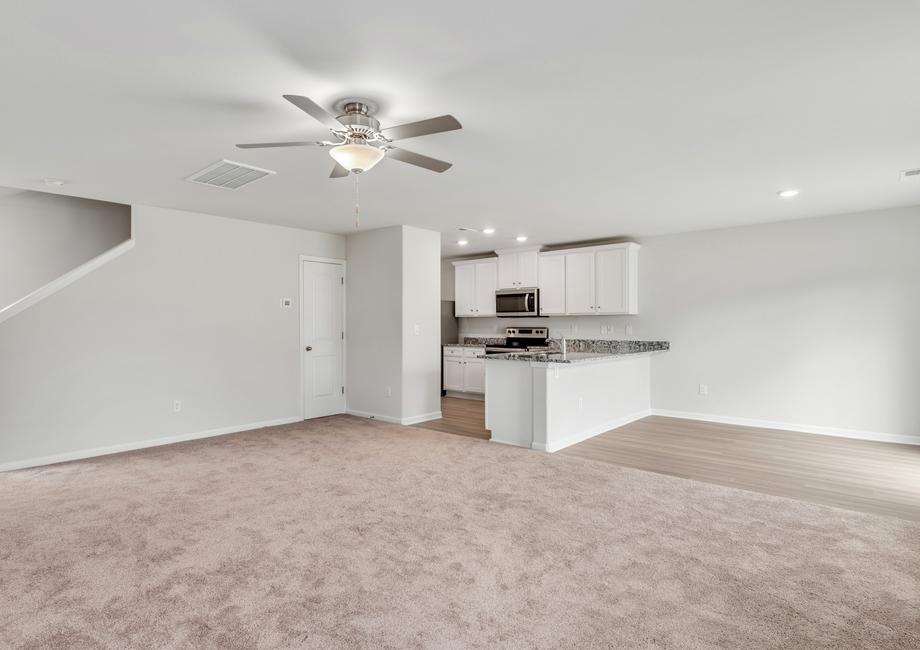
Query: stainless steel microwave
[[517, 302]]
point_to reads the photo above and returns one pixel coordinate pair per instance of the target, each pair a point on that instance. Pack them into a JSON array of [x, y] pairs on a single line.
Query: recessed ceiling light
[[53, 182], [462, 242], [488, 231], [522, 237], [787, 194]]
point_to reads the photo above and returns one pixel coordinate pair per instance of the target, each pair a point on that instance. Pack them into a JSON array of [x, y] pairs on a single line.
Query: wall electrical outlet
[[629, 329], [177, 405], [581, 402], [389, 391], [417, 329], [704, 389]]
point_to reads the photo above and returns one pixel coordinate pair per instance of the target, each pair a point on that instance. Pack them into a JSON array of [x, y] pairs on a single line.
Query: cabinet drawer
[[473, 352], [453, 352]]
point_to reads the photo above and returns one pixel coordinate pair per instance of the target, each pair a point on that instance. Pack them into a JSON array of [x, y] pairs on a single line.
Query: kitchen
[[541, 390]]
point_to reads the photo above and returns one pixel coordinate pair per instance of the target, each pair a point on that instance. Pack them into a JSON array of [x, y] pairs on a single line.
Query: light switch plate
[[287, 303]]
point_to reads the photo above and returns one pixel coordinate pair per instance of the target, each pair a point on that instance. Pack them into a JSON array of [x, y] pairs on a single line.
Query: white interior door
[[323, 339]]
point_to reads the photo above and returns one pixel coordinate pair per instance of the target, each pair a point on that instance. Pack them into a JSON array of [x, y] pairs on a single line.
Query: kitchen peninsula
[[551, 400]]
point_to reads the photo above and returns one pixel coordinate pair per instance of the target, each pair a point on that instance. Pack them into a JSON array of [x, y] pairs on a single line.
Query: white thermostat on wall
[[286, 302]]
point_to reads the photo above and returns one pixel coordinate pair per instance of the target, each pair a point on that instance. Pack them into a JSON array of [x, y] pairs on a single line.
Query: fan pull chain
[[357, 203]]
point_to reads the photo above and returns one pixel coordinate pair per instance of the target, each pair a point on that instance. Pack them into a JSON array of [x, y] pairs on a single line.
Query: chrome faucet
[[562, 345]]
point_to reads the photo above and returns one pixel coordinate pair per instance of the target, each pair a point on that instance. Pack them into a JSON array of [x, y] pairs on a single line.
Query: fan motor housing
[[358, 119]]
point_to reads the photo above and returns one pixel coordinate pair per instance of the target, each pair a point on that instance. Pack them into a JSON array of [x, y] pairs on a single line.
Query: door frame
[[342, 263]]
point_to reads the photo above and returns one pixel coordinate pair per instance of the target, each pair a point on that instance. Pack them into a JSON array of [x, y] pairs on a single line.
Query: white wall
[[393, 285], [191, 313], [374, 322], [810, 322], [43, 236], [421, 323]]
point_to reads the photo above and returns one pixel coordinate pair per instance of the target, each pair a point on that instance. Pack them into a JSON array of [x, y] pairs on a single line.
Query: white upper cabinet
[[474, 287], [597, 280], [486, 284], [464, 290], [518, 268], [552, 284], [579, 283], [611, 280]]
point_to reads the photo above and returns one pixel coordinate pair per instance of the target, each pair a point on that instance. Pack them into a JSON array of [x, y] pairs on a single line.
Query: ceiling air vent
[[229, 175], [910, 175]]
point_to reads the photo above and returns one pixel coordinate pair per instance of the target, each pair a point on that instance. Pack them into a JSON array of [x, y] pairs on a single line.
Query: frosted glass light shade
[[356, 157]]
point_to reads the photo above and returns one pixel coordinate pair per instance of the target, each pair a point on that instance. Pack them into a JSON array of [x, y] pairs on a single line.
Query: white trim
[[343, 264], [141, 444], [424, 417], [390, 419], [67, 279], [478, 397], [786, 426], [581, 436]]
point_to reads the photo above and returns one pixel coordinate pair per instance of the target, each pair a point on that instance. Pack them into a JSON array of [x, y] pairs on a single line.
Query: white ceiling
[[581, 120]]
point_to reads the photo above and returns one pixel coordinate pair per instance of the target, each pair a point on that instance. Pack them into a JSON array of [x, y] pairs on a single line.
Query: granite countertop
[[476, 342], [610, 350]]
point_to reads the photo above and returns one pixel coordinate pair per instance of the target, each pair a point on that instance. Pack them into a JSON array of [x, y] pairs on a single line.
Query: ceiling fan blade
[[263, 145], [418, 159], [423, 127], [338, 171], [315, 111]]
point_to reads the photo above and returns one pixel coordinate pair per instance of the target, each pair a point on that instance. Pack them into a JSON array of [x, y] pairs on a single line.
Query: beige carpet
[[345, 533]]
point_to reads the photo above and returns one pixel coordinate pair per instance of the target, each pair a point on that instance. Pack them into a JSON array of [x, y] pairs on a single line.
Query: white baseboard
[[581, 436], [140, 444], [65, 280], [787, 426], [424, 417], [389, 419], [478, 397]]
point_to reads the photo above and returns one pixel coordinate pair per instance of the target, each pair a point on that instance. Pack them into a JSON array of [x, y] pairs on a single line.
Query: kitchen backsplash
[[571, 327]]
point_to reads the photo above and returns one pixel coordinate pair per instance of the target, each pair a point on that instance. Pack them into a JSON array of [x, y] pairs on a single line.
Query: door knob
[[308, 348]]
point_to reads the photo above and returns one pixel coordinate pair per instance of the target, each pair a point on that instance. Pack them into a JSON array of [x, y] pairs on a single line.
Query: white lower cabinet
[[474, 376], [453, 373], [463, 372]]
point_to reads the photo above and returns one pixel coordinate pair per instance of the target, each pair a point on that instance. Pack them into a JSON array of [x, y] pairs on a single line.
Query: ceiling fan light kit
[[359, 142], [356, 157]]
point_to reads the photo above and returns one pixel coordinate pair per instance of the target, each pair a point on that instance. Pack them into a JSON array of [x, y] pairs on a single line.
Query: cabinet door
[[485, 288], [453, 374], [612, 273], [579, 283], [474, 376], [552, 284], [528, 274], [465, 290], [507, 271]]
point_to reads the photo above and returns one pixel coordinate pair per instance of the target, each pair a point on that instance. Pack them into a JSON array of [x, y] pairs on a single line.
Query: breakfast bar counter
[[549, 401]]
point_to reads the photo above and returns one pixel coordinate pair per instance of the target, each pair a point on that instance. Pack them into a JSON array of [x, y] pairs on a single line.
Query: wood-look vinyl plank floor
[[876, 477], [464, 417]]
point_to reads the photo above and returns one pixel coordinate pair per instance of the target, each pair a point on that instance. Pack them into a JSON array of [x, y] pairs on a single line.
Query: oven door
[[517, 302]]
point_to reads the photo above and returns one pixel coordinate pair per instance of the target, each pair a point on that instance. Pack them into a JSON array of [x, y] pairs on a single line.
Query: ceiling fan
[[356, 129]]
